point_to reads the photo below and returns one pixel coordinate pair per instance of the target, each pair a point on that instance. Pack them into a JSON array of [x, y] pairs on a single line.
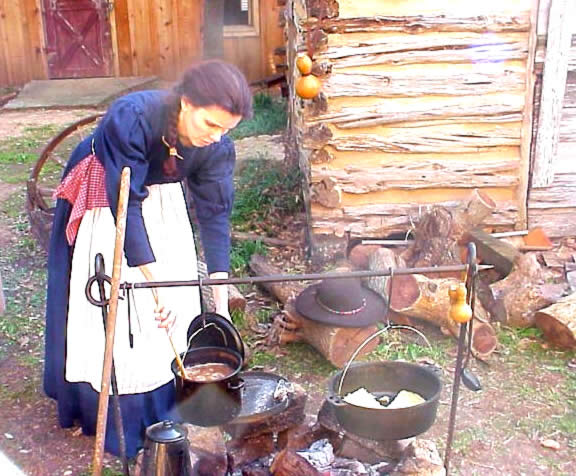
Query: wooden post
[[111, 324], [560, 22]]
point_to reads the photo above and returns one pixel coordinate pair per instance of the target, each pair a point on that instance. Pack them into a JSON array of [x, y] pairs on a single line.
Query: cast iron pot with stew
[[385, 378], [210, 393]]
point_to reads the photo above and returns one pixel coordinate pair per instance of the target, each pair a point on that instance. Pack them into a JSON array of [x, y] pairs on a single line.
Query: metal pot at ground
[[386, 378], [210, 403], [166, 450]]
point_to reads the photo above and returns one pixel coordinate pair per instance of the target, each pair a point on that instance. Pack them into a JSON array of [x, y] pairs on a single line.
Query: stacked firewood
[[518, 292], [438, 239]]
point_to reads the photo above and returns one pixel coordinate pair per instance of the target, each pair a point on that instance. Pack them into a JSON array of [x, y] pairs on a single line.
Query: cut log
[[290, 463], [427, 299], [525, 291], [439, 232], [479, 207], [558, 322], [302, 436], [421, 458], [382, 259], [336, 344], [282, 291], [236, 301], [359, 255], [242, 451], [207, 450], [433, 242]]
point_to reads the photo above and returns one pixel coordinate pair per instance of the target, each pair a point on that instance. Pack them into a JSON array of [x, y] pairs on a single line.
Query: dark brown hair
[[207, 83]]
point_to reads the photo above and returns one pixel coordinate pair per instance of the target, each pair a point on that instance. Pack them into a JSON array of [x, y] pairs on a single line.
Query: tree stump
[[440, 232], [524, 291]]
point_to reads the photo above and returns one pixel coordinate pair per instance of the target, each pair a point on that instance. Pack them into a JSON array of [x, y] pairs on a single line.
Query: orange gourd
[[460, 310], [304, 64], [308, 87]]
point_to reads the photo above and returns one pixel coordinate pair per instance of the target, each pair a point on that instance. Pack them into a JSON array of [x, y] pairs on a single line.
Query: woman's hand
[[220, 293], [163, 315]]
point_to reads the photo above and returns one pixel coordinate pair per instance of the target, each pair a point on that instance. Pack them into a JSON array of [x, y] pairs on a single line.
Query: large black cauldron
[[209, 403], [386, 378]]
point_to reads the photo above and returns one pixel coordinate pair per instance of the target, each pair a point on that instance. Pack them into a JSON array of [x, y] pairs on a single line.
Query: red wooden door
[[78, 40]]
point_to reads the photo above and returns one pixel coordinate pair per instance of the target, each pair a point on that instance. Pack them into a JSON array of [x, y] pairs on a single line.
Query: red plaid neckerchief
[[85, 188]]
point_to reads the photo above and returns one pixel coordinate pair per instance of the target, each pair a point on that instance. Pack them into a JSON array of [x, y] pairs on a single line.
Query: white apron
[[146, 366]]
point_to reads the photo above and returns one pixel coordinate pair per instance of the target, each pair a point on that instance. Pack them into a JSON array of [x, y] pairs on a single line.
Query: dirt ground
[[523, 422]]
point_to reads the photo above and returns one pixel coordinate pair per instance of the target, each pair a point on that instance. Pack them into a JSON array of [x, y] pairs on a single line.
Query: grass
[[396, 346], [265, 191], [241, 253], [18, 154], [269, 117]]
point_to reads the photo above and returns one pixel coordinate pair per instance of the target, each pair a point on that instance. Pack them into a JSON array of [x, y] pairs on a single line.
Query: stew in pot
[[205, 373]]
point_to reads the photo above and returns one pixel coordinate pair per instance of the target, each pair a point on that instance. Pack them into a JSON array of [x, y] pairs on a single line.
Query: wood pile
[[520, 291]]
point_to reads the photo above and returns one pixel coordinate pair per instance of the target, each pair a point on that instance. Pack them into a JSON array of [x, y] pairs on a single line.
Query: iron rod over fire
[[300, 277]]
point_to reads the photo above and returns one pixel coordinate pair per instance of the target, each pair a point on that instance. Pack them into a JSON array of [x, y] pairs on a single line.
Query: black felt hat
[[342, 302]]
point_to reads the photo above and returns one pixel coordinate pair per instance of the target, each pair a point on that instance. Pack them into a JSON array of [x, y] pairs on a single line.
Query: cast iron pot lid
[[210, 329], [264, 394]]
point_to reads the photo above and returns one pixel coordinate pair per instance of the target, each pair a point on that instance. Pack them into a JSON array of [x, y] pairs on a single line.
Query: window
[[241, 18]]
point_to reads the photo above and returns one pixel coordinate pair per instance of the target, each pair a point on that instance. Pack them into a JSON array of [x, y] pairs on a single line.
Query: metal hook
[[101, 278]]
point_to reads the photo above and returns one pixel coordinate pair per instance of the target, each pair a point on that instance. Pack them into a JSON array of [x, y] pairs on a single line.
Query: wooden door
[[78, 40]]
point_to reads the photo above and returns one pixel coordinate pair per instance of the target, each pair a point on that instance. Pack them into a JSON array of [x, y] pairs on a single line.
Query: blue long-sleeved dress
[[130, 134]]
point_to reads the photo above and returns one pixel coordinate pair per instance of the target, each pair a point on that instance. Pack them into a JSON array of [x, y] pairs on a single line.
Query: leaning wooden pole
[[111, 324]]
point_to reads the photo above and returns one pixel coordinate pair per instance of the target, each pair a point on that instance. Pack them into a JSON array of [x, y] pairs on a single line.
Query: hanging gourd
[[460, 310], [308, 87], [304, 64]]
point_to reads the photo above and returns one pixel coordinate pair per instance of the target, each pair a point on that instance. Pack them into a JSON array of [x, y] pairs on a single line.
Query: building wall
[[149, 37], [21, 42], [422, 102], [554, 207]]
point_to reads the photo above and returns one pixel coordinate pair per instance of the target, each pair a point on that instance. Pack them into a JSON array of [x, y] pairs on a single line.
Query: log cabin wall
[[21, 42], [421, 103], [552, 196]]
